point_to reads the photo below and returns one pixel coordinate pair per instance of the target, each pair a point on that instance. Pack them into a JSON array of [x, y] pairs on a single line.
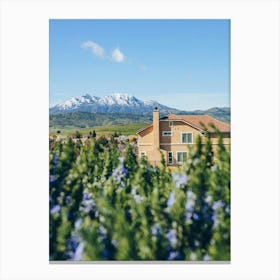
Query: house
[[172, 136]]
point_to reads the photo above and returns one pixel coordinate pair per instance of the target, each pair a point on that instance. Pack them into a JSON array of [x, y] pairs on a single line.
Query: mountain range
[[114, 103], [117, 109]]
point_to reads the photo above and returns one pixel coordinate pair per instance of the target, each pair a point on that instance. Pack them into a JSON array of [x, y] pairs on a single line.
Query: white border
[[24, 137]]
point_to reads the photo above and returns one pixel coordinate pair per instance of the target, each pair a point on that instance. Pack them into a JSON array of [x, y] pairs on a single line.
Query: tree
[[77, 135], [115, 134]]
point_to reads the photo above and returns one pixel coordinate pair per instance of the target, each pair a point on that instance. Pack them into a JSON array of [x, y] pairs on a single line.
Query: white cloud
[[95, 48], [117, 55]]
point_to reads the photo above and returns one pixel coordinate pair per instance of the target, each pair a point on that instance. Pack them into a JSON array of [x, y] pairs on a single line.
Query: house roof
[[196, 121], [199, 121], [144, 128]]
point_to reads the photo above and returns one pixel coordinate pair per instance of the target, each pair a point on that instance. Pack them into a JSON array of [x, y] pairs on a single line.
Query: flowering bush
[[109, 206]]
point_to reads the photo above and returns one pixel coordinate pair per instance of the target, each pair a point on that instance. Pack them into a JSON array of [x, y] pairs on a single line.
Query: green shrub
[[109, 206]]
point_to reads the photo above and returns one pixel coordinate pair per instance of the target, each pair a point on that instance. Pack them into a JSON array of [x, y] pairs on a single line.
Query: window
[[170, 157], [143, 154], [187, 138], [167, 133], [181, 157], [170, 124]]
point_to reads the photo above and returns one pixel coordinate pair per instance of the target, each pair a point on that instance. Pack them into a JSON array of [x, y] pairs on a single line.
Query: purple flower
[[78, 223], [156, 229], [133, 191], [52, 178], [119, 173], [55, 160], [87, 203], [74, 241], [86, 196], [105, 253], [68, 199], [173, 255], [102, 230], [189, 205], [55, 209], [188, 217], [215, 220], [180, 179], [96, 213], [227, 210], [121, 159], [190, 201], [79, 252], [196, 216], [172, 238], [138, 198], [206, 258], [115, 243], [171, 199], [217, 205], [208, 198]]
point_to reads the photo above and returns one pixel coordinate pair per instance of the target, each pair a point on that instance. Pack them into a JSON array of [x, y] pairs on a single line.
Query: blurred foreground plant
[[108, 206]]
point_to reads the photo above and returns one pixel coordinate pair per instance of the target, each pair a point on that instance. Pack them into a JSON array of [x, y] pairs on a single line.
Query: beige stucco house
[[174, 134]]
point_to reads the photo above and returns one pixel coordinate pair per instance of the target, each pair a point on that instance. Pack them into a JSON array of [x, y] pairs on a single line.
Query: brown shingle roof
[[198, 121], [144, 128]]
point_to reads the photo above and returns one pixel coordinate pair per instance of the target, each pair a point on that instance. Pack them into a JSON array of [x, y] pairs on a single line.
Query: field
[[129, 129]]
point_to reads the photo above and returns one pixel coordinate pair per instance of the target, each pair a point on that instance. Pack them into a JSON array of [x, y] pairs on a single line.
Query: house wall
[[174, 143], [177, 130], [145, 141]]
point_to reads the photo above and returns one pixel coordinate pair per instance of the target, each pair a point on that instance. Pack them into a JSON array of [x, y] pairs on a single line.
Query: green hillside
[[84, 121]]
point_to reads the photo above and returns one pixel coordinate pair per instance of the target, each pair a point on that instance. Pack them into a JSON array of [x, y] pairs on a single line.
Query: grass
[[129, 129]]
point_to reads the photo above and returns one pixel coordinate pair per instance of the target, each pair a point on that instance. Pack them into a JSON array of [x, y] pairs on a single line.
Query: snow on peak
[[115, 102], [123, 99], [150, 103], [75, 102]]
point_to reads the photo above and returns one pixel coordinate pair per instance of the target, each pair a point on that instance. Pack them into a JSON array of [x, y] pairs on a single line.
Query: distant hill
[[85, 119], [220, 113]]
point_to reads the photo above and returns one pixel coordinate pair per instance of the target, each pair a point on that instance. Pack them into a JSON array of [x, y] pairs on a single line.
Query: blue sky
[[183, 64]]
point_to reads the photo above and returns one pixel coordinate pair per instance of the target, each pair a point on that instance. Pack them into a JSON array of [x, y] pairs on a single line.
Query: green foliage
[[107, 205]]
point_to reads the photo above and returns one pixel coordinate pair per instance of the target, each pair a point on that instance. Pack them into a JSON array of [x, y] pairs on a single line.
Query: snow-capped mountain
[[114, 103], [76, 102]]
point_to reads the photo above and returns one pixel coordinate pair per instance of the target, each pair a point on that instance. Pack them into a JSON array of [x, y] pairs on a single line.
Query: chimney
[[156, 127]]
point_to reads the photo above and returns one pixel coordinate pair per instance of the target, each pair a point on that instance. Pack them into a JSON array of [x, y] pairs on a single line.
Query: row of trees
[[109, 206], [92, 134]]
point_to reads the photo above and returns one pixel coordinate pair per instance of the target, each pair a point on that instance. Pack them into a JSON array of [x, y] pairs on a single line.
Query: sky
[[184, 64]]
